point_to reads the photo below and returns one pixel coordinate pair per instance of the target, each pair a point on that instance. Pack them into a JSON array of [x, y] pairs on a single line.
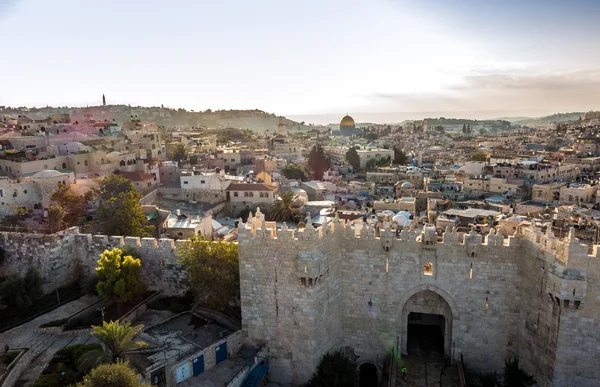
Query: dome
[[372, 145], [406, 184], [347, 121], [47, 173]]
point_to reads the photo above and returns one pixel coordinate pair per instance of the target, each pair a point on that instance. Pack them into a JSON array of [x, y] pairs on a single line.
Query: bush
[[118, 374], [55, 323], [335, 369], [71, 355], [21, 292]]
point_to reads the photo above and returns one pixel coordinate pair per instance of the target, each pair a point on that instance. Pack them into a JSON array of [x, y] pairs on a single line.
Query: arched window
[[64, 165], [85, 163]]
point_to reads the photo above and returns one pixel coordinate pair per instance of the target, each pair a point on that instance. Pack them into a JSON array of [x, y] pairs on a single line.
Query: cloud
[[486, 89]]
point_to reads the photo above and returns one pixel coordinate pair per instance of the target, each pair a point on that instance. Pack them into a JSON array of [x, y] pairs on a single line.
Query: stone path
[[42, 345], [422, 372]]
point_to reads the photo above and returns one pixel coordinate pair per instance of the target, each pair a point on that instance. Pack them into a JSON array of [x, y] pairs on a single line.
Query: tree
[[479, 156], [56, 214], [113, 185], [178, 153], [469, 129], [284, 209], [123, 215], [294, 172], [371, 164], [21, 292], [119, 276], [464, 129], [334, 370], [318, 162], [112, 375], [74, 205], [213, 270], [439, 129], [399, 156], [353, 159], [514, 376]]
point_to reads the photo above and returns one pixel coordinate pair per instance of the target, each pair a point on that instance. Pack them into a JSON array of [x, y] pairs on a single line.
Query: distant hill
[[547, 120], [255, 120]]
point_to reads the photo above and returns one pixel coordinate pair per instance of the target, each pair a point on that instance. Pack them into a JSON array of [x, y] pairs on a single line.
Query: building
[[143, 182], [347, 126], [371, 152], [312, 291], [250, 195], [180, 226]]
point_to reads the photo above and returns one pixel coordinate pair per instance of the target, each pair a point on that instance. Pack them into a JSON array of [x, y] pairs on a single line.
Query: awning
[[154, 215]]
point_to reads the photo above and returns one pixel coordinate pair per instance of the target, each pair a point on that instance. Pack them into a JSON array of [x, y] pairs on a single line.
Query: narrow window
[[387, 265], [486, 303], [471, 272], [277, 307]]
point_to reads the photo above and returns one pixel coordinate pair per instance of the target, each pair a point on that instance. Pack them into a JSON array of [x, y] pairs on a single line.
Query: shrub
[[118, 374], [175, 304], [72, 355], [88, 285], [55, 323]]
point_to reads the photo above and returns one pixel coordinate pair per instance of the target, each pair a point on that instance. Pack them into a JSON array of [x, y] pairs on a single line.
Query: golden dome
[[347, 121]]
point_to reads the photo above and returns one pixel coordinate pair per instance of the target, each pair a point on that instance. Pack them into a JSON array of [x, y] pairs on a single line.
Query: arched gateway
[[428, 315]]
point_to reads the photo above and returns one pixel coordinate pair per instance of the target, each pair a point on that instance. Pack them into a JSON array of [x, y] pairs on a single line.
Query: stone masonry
[[311, 291], [315, 290]]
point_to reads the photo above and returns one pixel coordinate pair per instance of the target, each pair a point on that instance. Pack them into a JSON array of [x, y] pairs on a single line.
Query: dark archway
[[425, 336], [368, 376]]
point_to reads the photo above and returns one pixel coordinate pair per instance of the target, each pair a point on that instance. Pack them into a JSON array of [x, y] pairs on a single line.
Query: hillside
[[256, 120], [547, 120]]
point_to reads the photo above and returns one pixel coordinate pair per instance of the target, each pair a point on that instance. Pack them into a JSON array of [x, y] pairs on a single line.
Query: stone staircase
[[425, 372]]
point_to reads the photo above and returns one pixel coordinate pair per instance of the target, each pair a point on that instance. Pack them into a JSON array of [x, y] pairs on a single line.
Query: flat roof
[[470, 212]]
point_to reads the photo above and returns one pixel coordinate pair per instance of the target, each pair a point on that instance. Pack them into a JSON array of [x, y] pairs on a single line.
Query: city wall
[[312, 291]]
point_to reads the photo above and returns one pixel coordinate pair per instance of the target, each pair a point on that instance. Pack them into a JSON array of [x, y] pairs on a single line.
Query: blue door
[[221, 352], [198, 364]]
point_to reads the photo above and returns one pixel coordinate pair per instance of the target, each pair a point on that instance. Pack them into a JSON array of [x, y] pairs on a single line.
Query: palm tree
[[56, 214], [117, 341], [285, 209]]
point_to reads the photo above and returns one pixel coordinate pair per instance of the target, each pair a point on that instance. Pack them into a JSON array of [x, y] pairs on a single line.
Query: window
[[85, 163], [25, 191], [428, 268], [251, 194], [185, 182], [1, 193], [235, 194], [245, 194], [153, 146], [232, 160], [202, 181]]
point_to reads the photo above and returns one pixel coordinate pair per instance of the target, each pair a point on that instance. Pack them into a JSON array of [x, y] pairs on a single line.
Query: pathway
[[425, 372], [42, 345]]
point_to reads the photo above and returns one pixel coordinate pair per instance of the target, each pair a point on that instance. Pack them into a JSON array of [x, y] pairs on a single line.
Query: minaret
[[103, 100], [281, 127]]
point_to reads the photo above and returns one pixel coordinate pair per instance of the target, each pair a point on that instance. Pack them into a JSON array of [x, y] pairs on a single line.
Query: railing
[[462, 376]]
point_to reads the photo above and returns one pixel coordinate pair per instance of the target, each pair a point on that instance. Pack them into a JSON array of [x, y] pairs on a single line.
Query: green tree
[[353, 159], [293, 171], [284, 209], [21, 292], [439, 129], [74, 205], [334, 370], [515, 376], [371, 164], [469, 129], [112, 186], [213, 270], [112, 375], [479, 156], [56, 215], [119, 276], [120, 212], [399, 156], [179, 153], [318, 162], [15, 220], [464, 129]]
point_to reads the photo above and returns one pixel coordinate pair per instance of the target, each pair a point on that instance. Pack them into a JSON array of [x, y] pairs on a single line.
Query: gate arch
[[445, 307]]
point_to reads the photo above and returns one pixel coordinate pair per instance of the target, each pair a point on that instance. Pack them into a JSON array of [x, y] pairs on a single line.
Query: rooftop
[[251, 187]]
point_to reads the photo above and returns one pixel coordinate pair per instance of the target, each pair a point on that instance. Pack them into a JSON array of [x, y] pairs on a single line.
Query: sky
[[310, 58]]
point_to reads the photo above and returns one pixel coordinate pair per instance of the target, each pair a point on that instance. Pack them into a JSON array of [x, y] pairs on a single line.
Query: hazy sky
[[304, 57]]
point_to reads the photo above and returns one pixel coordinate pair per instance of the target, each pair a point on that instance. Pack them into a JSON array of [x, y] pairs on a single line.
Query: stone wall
[[312, 291], [68, 256]]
